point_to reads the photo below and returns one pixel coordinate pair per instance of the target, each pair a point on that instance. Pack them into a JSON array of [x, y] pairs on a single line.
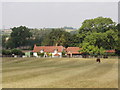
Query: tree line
[[94, 36]]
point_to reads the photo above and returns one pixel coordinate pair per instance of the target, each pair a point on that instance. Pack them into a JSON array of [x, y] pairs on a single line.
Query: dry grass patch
[[59, 73]]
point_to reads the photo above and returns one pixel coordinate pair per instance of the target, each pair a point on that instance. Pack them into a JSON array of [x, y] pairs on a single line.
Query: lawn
[[59, 73]]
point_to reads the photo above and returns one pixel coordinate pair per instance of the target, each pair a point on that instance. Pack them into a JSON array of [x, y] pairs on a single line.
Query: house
[[110, 51], [73, 51], [53, 51]]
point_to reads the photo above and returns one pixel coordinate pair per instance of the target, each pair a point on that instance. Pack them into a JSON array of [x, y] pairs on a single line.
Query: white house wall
[[35, 54]]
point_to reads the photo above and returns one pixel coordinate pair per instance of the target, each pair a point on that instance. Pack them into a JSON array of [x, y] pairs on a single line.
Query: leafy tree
[[9, 44], [91, 49], [57, 37], [112, 36], [98, 34], [99, 24], [118, 41], [4, 41], [20, 36], [96, 39], [74, 41], [38, 36], [107, 40]]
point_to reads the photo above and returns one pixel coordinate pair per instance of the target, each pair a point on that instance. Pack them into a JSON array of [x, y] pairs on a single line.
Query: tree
[[99, 32], [20, 36], [118, 41], [4, 41], [38, 35], [91, 49], [57, 37], [96, 39], [9, 44], [99, 24], [112, 36]]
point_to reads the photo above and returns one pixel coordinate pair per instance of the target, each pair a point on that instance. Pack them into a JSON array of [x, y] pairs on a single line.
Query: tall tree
[[20, 36], [99, 24], [98, 33], [91, 49], [57, 37]]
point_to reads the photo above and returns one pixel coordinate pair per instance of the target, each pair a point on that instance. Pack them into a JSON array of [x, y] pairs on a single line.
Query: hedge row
[[12, 52]]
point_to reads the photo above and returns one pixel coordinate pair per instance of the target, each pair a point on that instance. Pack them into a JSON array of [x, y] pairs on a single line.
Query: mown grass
[[59, 73]]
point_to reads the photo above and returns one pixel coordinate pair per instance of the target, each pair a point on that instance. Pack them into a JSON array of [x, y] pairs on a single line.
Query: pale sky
[[55, 14]]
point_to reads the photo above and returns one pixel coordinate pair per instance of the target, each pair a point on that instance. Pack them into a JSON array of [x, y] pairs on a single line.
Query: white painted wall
[[35, 54]]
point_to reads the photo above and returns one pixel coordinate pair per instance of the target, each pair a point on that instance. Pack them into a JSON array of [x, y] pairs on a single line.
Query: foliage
[[6, 52], [91, 49], [50, 54], [110, 54], [57, 37], [63, 52], [118, 41], [4, 41], [17, 52], [20, 36], [99, 24], [107, 40], [9, 44], [38, 35], [40, 54], [98, 34], [12, 51]]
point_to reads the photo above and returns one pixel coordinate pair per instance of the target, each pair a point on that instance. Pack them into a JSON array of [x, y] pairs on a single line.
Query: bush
[[31, 53], [13, 51], [63, 53], [40, 54], [17, 52], [6, 52]]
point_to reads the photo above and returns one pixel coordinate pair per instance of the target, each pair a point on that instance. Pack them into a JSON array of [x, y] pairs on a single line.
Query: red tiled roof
[[73, 50], [47, 48], [57, 54], [110, 51]]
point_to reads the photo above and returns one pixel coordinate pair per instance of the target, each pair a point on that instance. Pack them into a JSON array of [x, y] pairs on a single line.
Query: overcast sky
[[55, 14]]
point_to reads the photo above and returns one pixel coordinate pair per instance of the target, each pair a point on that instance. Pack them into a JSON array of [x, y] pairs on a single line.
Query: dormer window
[[41, 51]]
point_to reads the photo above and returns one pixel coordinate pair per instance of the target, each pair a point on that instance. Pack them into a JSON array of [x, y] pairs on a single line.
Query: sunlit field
[[59, 73]]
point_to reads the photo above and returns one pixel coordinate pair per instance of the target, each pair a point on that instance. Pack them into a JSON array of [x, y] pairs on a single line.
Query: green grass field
[[59, 73]]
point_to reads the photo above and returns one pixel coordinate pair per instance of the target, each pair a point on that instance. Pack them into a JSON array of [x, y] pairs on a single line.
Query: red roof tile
[[110, 51], [73, 50], [47, 48]]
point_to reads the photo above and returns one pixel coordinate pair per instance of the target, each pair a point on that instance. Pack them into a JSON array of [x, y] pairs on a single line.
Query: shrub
[[40, 54], [63, 53], [6, 52], [17, 52]]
